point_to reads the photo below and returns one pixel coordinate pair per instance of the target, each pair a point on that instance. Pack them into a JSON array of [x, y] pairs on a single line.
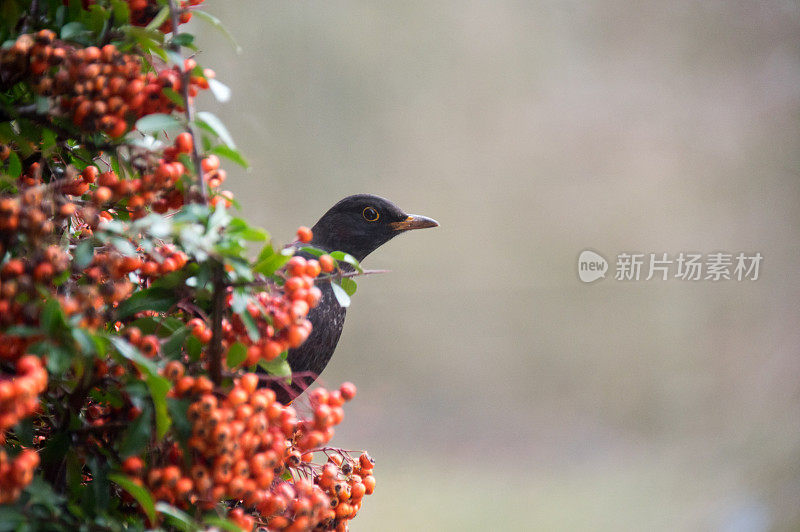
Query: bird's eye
[[370, 214]]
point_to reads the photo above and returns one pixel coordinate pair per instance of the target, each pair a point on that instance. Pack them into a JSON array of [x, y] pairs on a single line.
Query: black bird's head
[[360, 224]]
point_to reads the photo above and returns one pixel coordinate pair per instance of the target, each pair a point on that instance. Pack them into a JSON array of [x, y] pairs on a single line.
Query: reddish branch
[[217, 272]]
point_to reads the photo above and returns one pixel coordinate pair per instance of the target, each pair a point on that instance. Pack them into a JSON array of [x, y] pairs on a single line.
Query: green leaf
[[250, 325], [139, 493], [181, 424], [346, 257], [161, 326], [265, 252], [171, 349], [239, 228], [138, 433], [22, 330], [159, 19], [11, 518], [237, 353], [42, 105], [271, 264], [178, 518], [154, 298], [193, 347], [349, 285], [83, 254], [48, 141], [341, 295], [157, 122], [85, 340], [220, 91], [229, 153], [100, 484], [14, 165], [56, 447], [183, 39], [219, 522], [131, 353], [311, 250], [71, 30], [59, 359], [159, 386], [211, 123], [24, 432], [278, 367], [124, 246], [121, 11], [173, 95], [41, 492], [52, 318], [214, 21]]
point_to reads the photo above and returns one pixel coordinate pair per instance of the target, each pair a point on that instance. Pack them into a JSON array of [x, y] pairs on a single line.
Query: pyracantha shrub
[[132, 314]]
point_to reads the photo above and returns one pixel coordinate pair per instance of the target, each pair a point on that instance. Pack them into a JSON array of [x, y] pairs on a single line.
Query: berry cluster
[[19, 395], [20, 282], [240, 447], [100, 89], [16, 473], [31, 216], [156, 187], [19, 398], [144, 11], [342, 481], [164, 260], [279, 316], [346, 481]]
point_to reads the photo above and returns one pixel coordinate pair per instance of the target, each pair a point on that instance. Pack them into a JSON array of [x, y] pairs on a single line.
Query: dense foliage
[[132, 315]]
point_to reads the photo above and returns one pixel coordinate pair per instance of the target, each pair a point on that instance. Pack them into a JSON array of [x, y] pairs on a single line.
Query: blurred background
[[496, 390]]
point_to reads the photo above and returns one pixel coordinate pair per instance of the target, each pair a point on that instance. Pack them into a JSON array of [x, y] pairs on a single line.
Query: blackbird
[[357, 225]]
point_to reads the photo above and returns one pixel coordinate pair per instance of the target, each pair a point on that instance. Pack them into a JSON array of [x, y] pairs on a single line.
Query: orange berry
[[366, 462], [348, 390], [43, 271], [296, 266], [133, 465], [210, 163], [237, 396], [174, 370], [150, 345], [271, 350], [326, 263], [253, 355], [184, 142], [249, 382], [304, 234], [298, 335], [89, 174], [369, 484], [203, 385], [102, 195]]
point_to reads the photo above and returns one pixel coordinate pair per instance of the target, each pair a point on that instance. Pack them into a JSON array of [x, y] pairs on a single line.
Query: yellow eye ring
[[370, 214]]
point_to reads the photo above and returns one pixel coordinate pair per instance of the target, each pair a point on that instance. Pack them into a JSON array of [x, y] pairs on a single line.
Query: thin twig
[[186, 77], [217, 307], [217, 271], [326, 278], [33, 12]]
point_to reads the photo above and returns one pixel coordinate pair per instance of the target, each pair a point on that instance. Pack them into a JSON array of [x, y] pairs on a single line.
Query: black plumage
[[357, 225]]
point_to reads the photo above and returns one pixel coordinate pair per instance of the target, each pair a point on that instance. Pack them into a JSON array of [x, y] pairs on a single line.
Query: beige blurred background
[[497, 391]]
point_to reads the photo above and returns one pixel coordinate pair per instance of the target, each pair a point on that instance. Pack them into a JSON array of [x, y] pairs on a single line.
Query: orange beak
[[414, 221]]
